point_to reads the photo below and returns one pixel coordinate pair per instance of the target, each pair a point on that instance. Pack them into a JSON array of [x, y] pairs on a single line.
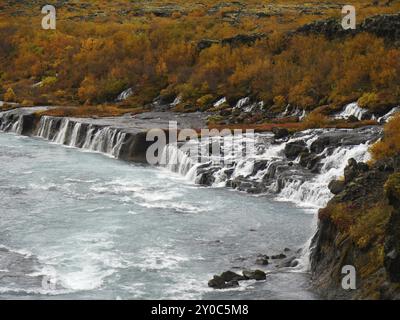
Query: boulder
[[219, 283], [309, 160], [294, 149], [280, 133], [255, 275], [351, 170], [278, 256], [336, 186], [231, 276]]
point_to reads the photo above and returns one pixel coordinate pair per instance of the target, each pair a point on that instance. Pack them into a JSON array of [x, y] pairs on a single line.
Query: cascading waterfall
[[352, 109], [267, 166], [12, 125], [76, 134]]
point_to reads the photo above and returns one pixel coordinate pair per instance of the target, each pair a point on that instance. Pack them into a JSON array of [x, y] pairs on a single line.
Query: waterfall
[[220, 102], [352, 109], [18, 125], [73, 133], [265, 168], [315, 192], [125, 94], [389, 115], [62, 133], [11, 124], [45, 127]]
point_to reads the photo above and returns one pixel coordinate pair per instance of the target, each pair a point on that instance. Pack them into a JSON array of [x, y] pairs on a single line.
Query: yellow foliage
[[390, 144], [10, 96]]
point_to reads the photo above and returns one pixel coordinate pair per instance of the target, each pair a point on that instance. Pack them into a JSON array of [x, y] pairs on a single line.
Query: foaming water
[[98, 228]]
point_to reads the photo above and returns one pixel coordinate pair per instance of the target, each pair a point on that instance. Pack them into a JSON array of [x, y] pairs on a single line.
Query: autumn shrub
[[48, 82], [10, 96], [315, 120], [390, 143], [205, 102], [370, 225], [94, 61]]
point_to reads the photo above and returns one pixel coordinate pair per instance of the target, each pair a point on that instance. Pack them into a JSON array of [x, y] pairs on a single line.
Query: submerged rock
[[255, 275], [262, 260], [278, 256], [219, 283], [231, 276]]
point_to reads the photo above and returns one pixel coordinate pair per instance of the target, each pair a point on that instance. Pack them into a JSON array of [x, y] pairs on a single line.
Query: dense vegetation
[[100, 49]]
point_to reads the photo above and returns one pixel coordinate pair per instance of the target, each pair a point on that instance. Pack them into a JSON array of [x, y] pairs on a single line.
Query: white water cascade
[[352, 109], [266, 167], [125, 94], [65, 131]]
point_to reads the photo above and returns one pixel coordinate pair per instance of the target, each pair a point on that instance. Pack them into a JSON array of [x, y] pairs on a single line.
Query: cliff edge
[[360, 227]]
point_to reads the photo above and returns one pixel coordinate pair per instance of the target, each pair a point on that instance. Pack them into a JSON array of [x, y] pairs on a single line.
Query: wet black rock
[[219, 283], [353, 169], [280, 133], [278, 256], [336, 186], [231, 276], [255, 275], [294, 149]]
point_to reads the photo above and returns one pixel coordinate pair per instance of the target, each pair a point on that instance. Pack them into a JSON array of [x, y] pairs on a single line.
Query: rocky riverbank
[[360, 227]]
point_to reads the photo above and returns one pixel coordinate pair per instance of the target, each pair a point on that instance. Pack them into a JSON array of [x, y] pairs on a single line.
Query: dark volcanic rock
[[231, 276], [366, 189], [219, 283], [278, 256], [392, 242], [280, 132], [385, 25], [353, 169], [243, 39], [336, 186], [294, 149], [255, 275]]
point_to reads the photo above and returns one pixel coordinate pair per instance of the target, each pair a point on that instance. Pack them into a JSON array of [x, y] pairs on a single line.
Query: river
[[81, 225]]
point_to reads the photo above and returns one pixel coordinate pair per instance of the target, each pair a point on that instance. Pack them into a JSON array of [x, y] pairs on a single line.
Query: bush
[[10, 96], [368, 100], [205, 102], [315, 119], [48, 82], [390, 144]]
